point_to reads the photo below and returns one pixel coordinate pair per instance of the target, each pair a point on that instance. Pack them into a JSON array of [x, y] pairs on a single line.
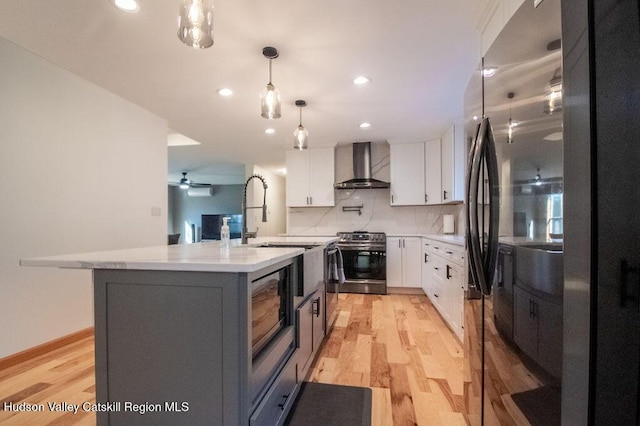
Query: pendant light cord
[[269, 70]]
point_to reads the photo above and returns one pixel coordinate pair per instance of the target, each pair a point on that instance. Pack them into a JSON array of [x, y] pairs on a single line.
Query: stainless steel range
[[365, 262]]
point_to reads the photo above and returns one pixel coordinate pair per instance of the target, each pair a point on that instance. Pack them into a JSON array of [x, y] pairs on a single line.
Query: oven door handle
[[363, 247]]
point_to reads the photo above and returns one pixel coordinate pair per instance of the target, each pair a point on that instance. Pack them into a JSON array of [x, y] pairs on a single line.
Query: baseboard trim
[[44, 348]]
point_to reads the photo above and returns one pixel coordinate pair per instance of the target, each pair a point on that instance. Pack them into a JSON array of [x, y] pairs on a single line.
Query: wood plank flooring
[[398, 345]]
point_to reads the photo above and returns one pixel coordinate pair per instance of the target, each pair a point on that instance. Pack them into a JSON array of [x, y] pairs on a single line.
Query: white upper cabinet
[[407, 174], [310, 177], [453, 163], [432, 172], [429, 172]]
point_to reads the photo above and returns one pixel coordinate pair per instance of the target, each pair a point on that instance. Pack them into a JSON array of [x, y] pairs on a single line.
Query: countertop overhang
[[203, 257]]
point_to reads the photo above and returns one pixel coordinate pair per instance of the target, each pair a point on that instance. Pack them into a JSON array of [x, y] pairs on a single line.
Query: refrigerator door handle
[[483, 262], [472, 211]]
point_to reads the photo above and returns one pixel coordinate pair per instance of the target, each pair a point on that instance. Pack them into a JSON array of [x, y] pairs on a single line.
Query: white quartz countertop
[[452, 239], [206, 256]]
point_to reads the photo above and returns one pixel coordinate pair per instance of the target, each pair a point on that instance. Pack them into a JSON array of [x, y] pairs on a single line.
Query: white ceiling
[[419, 55]]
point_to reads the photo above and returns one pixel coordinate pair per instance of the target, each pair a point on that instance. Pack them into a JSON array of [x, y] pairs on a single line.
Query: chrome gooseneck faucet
[[245, 232]]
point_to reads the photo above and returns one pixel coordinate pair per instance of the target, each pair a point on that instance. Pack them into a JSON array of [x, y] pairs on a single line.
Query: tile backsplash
[[377, 215]]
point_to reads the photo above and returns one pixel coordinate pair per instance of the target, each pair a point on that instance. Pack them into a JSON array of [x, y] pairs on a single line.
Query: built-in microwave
[[270, 313]]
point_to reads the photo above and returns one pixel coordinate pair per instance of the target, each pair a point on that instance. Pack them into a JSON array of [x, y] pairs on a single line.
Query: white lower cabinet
[[444, 280], [404, 262]]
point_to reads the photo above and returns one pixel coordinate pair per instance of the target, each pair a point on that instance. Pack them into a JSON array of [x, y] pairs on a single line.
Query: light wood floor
[[396, 344]]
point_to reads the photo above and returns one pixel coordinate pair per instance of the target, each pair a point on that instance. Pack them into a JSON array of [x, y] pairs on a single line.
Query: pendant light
[[553, 98], [300, 135], [270, 96], [511, 123], [195, 23]]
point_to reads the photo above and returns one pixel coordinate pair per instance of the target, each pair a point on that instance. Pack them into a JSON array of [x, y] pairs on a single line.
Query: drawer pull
[[284, 401], [449, 252], [448, 271], [436, 295]]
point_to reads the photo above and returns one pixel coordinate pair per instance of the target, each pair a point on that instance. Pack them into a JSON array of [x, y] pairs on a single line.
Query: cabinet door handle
[[448, 271], [426, 258], [530, 308], [444, 197], [285, 397], [426, 198], [403, 243], [391, 198], [436, 294], [399, 243], [625, 270], [315, 310], [311, 200]]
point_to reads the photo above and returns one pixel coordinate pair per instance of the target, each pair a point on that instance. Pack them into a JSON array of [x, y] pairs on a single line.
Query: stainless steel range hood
[[361, 170]]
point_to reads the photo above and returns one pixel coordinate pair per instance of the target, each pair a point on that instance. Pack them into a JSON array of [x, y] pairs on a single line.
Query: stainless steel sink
[[540, 268]]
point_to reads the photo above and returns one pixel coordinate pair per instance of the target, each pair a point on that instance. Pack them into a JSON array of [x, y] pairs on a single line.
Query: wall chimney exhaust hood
[[361, 170]]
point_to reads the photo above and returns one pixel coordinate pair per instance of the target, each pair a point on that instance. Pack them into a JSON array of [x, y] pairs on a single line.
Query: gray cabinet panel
[[525, 330], [538, 330], [152, 329], [318, 318], [550, 337], [305, 333]]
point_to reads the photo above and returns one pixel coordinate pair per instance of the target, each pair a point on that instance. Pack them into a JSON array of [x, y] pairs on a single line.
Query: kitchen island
[[173, 329]]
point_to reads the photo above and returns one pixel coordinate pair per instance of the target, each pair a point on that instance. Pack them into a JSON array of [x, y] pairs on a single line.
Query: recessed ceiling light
[[365, 125], [361, 80], [225, 91], [489, 71], [475, 118], [130, 6], [270, 131]]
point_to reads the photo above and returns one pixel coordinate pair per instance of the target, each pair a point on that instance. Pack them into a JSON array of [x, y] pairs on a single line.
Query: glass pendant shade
[[195, 23], [300, 138], [270, 99], [300, 135], [270, 96]]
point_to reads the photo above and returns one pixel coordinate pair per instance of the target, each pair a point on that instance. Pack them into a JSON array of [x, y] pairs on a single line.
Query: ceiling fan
[[187, 183]]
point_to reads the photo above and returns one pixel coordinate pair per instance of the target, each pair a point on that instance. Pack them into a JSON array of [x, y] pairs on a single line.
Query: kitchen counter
[[519, 241], [451, 239], [174, 330], [204, 257]]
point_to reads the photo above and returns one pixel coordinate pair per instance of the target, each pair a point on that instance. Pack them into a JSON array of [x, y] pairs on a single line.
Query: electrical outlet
[[156, 211]]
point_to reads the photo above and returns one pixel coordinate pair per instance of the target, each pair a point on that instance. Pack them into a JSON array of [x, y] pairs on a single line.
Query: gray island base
[[174, 325]]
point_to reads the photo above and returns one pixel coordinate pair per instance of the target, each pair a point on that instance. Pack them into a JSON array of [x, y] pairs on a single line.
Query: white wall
[[81, 170], [276, 210]]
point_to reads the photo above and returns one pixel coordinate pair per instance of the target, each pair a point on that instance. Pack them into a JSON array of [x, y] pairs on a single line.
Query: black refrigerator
[[553, 123]]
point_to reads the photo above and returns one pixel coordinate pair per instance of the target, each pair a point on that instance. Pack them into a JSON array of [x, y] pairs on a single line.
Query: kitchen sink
[[540, 268]]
